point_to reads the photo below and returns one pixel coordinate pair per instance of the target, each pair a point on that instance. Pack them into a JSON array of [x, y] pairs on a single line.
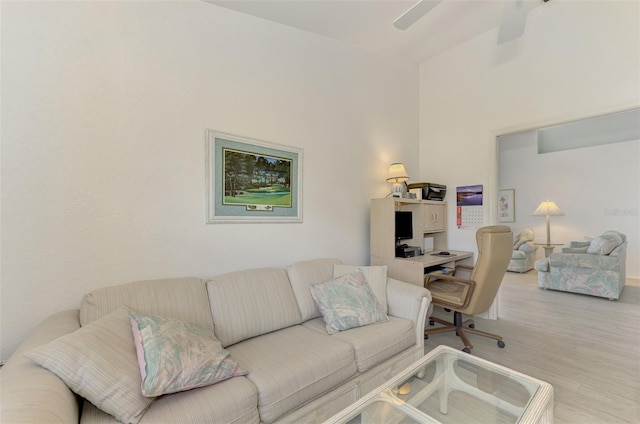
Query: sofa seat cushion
[[232, 401], [373, 344], [292, 366]]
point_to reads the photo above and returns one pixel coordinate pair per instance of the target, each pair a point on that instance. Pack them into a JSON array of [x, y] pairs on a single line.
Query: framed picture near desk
[[507, 205]]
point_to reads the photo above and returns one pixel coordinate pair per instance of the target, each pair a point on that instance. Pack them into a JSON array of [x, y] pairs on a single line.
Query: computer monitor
[[404, 225]]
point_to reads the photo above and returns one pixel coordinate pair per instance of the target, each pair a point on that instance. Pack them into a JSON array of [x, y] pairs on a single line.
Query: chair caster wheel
[[466, 350], [432, 322], [447, 309], [500, 344], [426, 336], [472, 326]]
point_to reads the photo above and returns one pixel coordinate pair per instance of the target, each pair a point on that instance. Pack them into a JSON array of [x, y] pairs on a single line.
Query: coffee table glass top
[[448, 386]]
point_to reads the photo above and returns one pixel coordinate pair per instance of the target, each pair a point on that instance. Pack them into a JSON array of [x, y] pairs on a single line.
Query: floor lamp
[[547, 209]]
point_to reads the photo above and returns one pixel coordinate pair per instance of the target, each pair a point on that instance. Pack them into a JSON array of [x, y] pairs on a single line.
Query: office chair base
[[461, 328]]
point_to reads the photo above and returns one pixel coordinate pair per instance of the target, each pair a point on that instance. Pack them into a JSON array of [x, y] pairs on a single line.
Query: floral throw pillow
[[174, 356], [376, 277], [347, 302]]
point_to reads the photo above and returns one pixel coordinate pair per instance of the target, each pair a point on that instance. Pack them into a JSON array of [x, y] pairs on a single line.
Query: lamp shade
[[548, 208], [397, 173]]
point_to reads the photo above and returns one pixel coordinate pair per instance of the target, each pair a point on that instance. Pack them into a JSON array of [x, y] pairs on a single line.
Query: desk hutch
[[429, 233]]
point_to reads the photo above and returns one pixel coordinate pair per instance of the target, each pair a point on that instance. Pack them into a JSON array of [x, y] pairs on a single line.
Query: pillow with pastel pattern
[[174, 356], [376, 277], [347, 302], [98, 362]]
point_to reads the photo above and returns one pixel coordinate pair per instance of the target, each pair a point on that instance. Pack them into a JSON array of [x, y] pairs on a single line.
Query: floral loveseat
[[149, 351], [524, 251], [595, 267]]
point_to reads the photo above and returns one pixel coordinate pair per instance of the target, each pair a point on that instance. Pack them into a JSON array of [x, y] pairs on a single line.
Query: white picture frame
[[507, 205], [252, 181]]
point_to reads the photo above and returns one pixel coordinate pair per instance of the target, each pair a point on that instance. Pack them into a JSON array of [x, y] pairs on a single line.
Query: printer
[[430, 191], [404, 251]]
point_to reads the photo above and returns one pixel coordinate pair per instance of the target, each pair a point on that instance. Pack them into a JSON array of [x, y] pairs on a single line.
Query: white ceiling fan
[[514, 17]]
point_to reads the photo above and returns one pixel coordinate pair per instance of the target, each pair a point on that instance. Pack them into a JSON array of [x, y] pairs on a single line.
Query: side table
[[548, 247]]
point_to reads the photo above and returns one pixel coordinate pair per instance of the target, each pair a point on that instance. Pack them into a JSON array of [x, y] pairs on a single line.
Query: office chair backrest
[[495, 247]]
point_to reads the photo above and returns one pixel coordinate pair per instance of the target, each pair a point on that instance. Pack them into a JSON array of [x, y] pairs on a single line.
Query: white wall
[[105, 106], [576, 59], [597, 188]]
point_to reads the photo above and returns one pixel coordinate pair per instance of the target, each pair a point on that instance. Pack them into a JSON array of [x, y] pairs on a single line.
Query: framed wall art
[[507, 205], [250, 180]]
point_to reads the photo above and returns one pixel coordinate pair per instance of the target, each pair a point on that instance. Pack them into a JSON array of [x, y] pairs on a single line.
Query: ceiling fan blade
[[514, 17], [416, 12]]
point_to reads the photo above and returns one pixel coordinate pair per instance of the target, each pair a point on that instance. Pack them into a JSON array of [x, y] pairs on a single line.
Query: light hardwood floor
[[588, 348]]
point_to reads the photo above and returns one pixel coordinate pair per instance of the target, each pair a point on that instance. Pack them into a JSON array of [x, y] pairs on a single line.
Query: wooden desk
[[411, 270]]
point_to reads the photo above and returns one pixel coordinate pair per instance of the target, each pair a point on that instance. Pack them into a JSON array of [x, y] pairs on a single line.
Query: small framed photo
[[507, 205], [250, 180]]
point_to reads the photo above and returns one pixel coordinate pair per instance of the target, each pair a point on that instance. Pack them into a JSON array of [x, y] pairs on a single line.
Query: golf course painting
[[250, 180], [255, 180]]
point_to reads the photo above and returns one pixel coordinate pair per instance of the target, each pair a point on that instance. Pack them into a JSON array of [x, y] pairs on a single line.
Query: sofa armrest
[[32, 394], [579, 244], [527, 247], [542, 265], [582, 261], [410, 302], [574, 250]]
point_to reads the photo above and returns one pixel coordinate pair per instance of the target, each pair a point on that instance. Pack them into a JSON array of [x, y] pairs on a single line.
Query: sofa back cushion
[[302, 275], [616, 233], [605, 244], [249, 303], [184, 299]]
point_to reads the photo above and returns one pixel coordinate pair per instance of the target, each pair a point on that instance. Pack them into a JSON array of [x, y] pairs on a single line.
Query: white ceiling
[[369, 23]]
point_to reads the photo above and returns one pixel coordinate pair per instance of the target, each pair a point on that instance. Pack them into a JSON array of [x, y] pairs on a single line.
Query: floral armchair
[[524, 251], [595, 267]]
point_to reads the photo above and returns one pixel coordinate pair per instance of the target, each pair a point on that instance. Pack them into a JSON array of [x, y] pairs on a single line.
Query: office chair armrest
[[463, 266], [430, 278]]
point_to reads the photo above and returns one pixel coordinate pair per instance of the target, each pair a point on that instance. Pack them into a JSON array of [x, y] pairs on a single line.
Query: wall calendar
[[469, 208]]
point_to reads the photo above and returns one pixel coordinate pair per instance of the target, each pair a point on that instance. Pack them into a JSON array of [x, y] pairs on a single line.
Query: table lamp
[[548, 208], [397, 175]]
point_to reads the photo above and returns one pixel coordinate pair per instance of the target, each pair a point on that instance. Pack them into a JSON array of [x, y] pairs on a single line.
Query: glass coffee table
[[450, 386]]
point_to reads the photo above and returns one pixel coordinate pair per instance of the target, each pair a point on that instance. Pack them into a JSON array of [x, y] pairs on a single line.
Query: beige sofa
[[269, 322]]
